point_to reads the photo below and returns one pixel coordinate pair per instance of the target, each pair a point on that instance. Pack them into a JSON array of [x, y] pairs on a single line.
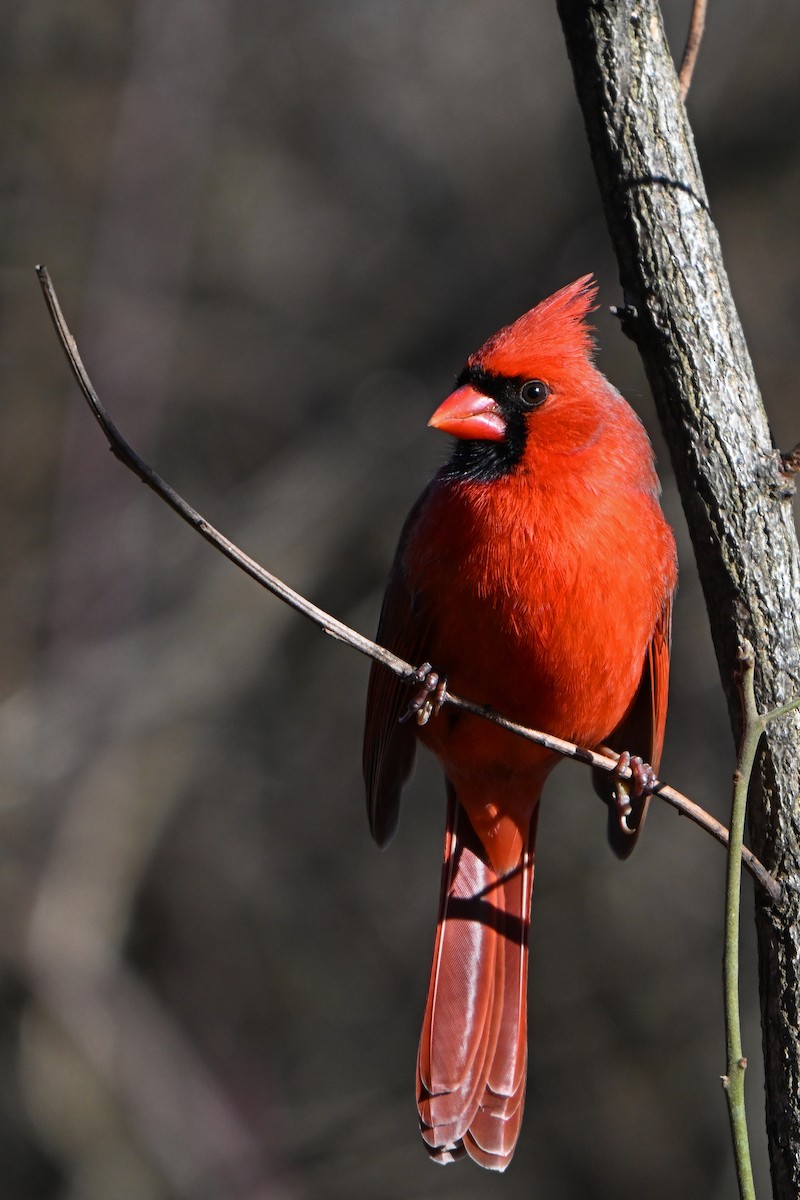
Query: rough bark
[[737, 503]]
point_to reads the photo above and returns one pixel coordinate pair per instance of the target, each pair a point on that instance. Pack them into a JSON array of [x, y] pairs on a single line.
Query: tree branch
[[682, 317], [697, 25], [337, 629]]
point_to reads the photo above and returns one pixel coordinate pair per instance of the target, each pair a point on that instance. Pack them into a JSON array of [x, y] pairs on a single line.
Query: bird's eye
[[533, 393]]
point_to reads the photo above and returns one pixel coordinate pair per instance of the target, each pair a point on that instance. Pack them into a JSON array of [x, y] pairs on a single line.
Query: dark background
[[277, 229]]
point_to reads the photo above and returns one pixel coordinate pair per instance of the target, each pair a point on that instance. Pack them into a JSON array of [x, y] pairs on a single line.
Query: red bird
[[537, 570]]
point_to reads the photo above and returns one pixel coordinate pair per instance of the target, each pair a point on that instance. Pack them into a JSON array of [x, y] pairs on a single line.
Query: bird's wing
[[641, 731], [656, 679], [389, 747]]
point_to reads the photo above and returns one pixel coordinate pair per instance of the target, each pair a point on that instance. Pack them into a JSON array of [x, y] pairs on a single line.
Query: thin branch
[[782, 710], [337, 629], [753, 725], [693, 40]]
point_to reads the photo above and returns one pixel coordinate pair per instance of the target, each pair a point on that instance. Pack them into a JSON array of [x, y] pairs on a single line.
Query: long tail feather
[[473, 1049]]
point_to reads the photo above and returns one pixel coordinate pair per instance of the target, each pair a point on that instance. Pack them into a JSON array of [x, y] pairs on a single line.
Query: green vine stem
[[753, 725]]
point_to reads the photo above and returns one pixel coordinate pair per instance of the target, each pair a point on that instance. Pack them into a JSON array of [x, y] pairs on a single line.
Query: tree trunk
[[737, 502]]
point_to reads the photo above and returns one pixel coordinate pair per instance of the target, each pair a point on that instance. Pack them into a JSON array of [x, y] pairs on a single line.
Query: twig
[[753, 726], [693, 40], [337, 629]]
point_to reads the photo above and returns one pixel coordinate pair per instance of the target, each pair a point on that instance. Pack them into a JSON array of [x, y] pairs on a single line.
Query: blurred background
[[277, 229]]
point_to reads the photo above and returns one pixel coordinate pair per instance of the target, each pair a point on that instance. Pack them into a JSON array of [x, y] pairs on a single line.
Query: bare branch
[[695, 36], [337, 629], [753, 725]]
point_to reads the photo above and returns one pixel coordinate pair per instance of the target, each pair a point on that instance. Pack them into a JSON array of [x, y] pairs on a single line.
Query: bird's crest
[[555, 329]]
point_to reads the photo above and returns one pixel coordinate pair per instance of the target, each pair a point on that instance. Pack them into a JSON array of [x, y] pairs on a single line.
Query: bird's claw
[[429, 697], [641, 783]]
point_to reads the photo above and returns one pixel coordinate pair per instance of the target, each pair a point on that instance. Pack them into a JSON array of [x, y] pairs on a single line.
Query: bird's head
[[531, 388]]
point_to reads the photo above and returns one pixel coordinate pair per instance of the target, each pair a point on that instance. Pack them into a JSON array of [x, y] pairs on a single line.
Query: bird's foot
[[428, 698], [641, 783]]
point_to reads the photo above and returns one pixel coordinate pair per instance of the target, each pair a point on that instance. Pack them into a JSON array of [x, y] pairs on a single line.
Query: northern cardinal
[[537, 572]]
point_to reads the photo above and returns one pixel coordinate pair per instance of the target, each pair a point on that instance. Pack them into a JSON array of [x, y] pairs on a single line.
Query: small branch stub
[[790, 462]]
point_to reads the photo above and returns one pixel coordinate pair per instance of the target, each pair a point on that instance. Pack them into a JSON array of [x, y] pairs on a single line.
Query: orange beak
[[467, 413]]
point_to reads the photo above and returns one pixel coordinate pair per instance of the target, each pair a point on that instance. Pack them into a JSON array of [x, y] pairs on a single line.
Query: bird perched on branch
[[537, 571]]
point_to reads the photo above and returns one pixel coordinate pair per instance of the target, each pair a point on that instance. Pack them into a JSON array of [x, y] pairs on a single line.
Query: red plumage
[[536, 572]]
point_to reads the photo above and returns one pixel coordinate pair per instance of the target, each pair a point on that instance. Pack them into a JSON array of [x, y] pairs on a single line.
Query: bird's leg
[[642, 783], [428, 698]]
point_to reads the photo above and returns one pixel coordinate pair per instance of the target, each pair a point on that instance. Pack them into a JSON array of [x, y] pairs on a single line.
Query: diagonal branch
[[697, 25], [337, 629]]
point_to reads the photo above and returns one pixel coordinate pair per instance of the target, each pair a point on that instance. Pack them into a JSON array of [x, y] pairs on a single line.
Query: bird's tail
[[473, 1050]]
